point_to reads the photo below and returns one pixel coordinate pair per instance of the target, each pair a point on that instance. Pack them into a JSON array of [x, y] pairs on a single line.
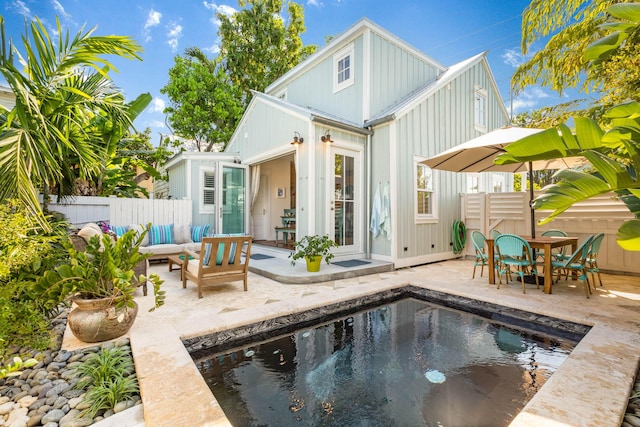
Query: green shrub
[[26, 252], [109, 376]]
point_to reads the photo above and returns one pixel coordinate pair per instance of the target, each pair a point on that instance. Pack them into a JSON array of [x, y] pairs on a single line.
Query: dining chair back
[[592, 258], [514, 251], [478, 240], [576, 262], [556, 253], [495, 233]]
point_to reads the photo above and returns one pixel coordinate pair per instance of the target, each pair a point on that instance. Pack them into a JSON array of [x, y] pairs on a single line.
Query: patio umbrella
[[477, 155]]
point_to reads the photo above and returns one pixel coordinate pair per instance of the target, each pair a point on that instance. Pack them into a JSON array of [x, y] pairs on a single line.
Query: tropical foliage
[[204, 104], [26, 251], [613, 148], [68, 116]]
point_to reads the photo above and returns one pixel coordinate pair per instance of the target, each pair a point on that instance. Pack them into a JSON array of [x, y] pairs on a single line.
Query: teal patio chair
[[495, 233], [514, 251], [482, 258], [592, 258], [575, 262], [558, 253]]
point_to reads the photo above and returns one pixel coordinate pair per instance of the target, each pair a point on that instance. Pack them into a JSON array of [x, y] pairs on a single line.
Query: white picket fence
[[509, 213], [120, 211]]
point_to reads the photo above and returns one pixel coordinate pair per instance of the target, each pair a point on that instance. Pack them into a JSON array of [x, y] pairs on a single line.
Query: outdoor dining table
[[545, 243]]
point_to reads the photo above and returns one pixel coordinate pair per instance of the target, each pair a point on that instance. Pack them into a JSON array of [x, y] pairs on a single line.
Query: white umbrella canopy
[[477, 155]]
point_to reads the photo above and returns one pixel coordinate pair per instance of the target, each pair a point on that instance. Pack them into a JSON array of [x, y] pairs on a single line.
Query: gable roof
[[338, 43], [430, 88]]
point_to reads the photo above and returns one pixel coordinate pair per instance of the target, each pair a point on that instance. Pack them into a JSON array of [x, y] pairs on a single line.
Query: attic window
[[343, 69], [480, 109]]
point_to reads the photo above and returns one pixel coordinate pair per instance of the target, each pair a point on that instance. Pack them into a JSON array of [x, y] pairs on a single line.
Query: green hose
[[459, 236]]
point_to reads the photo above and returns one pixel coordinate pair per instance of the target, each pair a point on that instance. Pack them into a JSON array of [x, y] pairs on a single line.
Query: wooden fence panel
[[82, 209], [509, 213], [155, 211]]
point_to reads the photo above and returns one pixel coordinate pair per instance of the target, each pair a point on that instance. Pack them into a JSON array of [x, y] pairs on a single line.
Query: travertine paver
[[590, 388]]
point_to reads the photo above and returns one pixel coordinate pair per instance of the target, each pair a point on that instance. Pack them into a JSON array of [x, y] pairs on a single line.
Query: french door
[[345, 195], [232, 216]]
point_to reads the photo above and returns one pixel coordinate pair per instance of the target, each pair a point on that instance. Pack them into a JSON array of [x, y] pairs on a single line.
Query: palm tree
[[68, 113]]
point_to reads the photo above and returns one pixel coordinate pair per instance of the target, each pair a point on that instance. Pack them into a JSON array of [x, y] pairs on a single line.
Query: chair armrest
[[189, 253]]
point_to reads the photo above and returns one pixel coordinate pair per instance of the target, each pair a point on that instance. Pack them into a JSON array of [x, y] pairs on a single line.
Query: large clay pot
[[96, 320], [313, 263]]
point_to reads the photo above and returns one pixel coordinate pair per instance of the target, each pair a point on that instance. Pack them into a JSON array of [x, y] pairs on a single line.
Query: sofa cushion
[[160, 234], [198, 232], [193, 246], [161, 249], [182, 233], [139, 229], [118, 229], [87, 232]]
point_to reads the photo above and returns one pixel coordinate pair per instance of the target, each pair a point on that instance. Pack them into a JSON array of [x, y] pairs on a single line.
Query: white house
[[365, 110]]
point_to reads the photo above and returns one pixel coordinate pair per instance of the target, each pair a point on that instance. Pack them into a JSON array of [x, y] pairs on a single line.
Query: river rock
[[26, 401], [123, 405], [6, 407], [53, 416], [18, 417], [73, 419]]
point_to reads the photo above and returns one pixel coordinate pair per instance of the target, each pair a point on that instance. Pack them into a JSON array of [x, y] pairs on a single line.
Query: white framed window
[[343, 64], [207, 190], [425, 197], [480, 109]]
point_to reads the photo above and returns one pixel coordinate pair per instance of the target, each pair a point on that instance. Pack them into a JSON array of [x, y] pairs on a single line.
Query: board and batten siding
[[395, 73], [268, 127], [443, 120], [380, 174], [314, 88]]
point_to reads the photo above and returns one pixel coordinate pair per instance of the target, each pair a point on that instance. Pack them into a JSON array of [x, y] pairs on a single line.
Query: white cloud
[[315, 3], [157, 105], [513, 57], [153, 19], [222, 9], [156, 124], [213, 49], [529, 99], [173, 35], [59, 8], [21, 8]]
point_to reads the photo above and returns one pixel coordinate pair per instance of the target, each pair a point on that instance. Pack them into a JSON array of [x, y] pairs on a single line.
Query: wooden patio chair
[[221, 259]]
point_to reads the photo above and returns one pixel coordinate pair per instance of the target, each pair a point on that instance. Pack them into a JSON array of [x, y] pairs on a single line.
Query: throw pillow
[[118, 229], [198, 232], [182, 233], [139, 230], [88, 231], [160, 234]]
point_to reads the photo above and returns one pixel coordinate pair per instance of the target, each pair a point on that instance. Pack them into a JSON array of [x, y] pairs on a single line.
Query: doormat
[[351, 263], [260, 256]]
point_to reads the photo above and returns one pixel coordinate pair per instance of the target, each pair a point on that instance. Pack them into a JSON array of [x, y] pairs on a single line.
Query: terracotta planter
[[313, 263], [96, 320]]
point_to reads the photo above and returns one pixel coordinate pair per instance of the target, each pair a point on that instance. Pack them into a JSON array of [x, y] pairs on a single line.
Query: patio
[[590, 388]]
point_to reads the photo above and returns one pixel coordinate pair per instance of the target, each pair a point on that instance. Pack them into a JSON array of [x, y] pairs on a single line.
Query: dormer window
[[343, 69]]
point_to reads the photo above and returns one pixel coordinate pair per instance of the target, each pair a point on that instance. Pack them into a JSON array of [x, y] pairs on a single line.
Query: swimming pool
[[407, 362]]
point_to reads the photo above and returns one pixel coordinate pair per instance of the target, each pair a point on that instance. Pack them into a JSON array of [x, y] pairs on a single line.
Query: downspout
[[367, 153]]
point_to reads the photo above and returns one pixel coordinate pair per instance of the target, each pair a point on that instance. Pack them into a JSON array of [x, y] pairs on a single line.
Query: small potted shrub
[[101, 281], [313, 249]]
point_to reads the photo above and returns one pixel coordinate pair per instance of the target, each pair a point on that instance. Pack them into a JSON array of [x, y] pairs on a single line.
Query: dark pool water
[[408, 363]]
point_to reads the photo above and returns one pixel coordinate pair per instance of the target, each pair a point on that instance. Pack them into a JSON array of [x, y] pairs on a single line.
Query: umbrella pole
[[532, 211]]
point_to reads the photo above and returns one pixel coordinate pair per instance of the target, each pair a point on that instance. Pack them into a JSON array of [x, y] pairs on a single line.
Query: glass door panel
[[233, 210], [344, 199]]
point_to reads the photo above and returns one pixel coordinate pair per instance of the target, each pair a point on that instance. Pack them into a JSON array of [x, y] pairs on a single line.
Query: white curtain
[[255, 183]]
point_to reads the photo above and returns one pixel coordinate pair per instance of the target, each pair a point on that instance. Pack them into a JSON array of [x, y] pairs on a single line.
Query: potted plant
[[313, 249], [100, 281]]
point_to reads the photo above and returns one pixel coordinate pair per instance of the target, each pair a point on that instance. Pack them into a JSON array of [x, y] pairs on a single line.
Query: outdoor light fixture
[[297, 139], [326, 137]]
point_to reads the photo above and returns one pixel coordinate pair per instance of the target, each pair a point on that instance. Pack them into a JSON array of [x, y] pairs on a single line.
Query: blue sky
[[449, 31]]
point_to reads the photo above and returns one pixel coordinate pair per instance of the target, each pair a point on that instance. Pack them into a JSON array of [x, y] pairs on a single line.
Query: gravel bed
[[43, 395]]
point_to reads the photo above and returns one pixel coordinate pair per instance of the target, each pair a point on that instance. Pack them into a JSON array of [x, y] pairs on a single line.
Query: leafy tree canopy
[[208, 96]]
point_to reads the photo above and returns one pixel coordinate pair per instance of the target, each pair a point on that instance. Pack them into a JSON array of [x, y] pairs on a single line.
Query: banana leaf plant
[[615, 158]]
